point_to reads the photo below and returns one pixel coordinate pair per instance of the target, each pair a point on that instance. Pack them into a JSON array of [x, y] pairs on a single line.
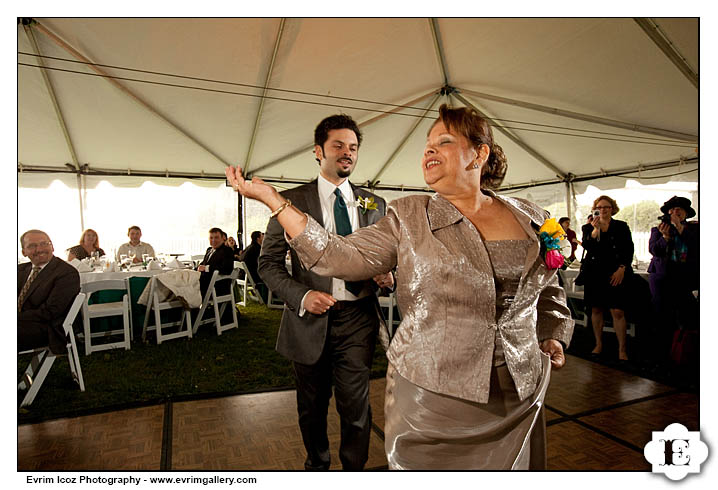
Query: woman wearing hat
[[609, 252], [674, 268]]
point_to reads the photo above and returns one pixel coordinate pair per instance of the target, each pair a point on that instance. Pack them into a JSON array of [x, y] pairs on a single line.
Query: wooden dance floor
[[598, 418]]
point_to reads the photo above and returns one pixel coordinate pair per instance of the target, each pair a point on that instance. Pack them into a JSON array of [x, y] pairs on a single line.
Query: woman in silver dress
[[466, 376]]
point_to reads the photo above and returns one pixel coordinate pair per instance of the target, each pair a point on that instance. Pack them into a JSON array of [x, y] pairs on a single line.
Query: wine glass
[[131, 254]]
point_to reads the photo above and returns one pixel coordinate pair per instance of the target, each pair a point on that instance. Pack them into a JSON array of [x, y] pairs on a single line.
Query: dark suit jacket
[[49, 298], [250, 256], [301, 339], [222, 260]]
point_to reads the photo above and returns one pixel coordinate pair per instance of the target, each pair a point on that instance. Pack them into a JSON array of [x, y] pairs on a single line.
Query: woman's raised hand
[[254, 189]]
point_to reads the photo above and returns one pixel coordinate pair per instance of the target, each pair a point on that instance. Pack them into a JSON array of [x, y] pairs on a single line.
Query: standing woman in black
[[609, 252]]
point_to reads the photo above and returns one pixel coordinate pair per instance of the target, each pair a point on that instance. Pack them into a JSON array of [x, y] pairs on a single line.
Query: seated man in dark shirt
[[219, 257], [46, 288], [249, 256]]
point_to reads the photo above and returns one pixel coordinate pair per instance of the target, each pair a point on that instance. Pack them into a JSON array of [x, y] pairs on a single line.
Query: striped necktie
[[344, 227], [26, 287]]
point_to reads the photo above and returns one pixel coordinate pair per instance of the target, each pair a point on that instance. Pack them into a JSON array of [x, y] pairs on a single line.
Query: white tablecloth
[[86, 277]]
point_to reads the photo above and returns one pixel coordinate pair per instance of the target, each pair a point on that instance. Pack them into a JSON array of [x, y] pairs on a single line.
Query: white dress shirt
[[326, 199]]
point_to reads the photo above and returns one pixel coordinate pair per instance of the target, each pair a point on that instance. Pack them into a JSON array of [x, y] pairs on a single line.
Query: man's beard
[[344, 173]]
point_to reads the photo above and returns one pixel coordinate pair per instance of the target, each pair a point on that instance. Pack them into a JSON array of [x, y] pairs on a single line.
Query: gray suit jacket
[[49, 298], [301, 339]]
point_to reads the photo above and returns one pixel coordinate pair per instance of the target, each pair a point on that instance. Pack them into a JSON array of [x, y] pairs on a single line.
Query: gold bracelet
[[281, 208]]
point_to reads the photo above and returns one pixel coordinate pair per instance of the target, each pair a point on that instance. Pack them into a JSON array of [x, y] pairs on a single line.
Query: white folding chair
[[274, 302], [101, 310], [43, 358], [249, 289], [196, 259], [154, 304], [389, 302], [211, 297]]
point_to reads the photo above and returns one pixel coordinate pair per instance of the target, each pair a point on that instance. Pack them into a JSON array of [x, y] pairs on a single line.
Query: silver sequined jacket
[[446, 293]]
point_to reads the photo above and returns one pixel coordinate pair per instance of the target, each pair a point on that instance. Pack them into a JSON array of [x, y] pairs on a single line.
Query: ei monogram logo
[[676, 452]]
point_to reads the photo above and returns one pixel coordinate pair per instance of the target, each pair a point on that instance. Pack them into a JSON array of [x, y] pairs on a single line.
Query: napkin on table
[[174, 264], [153, 265]]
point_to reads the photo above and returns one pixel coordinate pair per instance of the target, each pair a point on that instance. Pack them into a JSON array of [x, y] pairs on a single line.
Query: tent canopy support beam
[[64, 45], [668, 48], [60, 119], [248, 160], [584, 117]]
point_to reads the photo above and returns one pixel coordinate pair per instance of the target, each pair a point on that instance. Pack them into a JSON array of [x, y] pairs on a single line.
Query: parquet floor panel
[[571, 446], [252, 432], [634, 423], [583, 385], [376, 400], [123, 440]]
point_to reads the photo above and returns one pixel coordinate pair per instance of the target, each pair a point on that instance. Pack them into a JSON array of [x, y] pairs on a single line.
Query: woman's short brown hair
[[467, 122], [614, 204]]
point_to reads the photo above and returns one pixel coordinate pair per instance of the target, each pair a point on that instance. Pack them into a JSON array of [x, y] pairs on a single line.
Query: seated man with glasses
[[46, 288]]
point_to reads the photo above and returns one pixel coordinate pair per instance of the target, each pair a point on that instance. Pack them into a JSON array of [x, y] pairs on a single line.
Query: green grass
[[239, 361]]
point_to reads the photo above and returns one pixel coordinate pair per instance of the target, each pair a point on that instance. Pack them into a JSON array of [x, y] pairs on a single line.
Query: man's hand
[[554, 349], [384, 280], [136, 260], [201, 268], [617, 277], [318, 302]]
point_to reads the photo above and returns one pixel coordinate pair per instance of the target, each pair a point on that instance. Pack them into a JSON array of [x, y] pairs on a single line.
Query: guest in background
[[218, 257], [233, 245], [674, 245], [609, 253], [135, 245], [250, 255], [89, 244], [565, 223], [46, 288]]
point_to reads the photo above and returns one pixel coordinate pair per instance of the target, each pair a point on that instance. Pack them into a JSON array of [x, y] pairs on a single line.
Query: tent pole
[[248, 159], [57, 40], [434, 26], [559, 173], [240, 220], [361, 125], [403, 143], [584, 117], [568, 199], [669, 49], [60, 119]]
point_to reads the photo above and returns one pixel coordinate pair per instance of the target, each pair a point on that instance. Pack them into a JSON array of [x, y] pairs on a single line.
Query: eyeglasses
[[603, 207], [33, 246]]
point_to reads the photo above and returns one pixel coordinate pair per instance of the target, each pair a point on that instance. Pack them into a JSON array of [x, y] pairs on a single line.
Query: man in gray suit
[[329, 327], [46, 288]]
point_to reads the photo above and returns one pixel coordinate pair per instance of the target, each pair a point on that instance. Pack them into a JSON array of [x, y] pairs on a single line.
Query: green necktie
[[344, 227]]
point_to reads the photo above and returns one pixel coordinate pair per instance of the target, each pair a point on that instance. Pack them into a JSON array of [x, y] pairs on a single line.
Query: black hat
[[679, 202]]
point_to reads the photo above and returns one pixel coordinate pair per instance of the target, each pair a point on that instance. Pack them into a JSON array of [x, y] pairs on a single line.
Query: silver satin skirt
[[425, 430]]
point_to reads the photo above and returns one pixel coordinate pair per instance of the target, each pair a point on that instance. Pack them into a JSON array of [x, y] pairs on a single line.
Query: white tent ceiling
[[596, 69]]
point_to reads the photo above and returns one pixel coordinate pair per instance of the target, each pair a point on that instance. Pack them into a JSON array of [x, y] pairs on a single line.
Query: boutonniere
[[552, 238], [364, 204]]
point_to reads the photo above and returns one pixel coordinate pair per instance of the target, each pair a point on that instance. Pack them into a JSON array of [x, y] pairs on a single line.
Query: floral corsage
[[553, 243], [364, 204]]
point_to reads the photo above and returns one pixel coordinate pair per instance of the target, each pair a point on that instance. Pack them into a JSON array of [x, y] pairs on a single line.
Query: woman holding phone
[[609, 252]]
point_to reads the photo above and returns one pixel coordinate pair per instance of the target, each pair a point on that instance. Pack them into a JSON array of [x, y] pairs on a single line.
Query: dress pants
[[345, 363]]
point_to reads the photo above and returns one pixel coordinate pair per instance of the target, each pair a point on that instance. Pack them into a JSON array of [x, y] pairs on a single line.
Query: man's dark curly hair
[[337, 121]]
